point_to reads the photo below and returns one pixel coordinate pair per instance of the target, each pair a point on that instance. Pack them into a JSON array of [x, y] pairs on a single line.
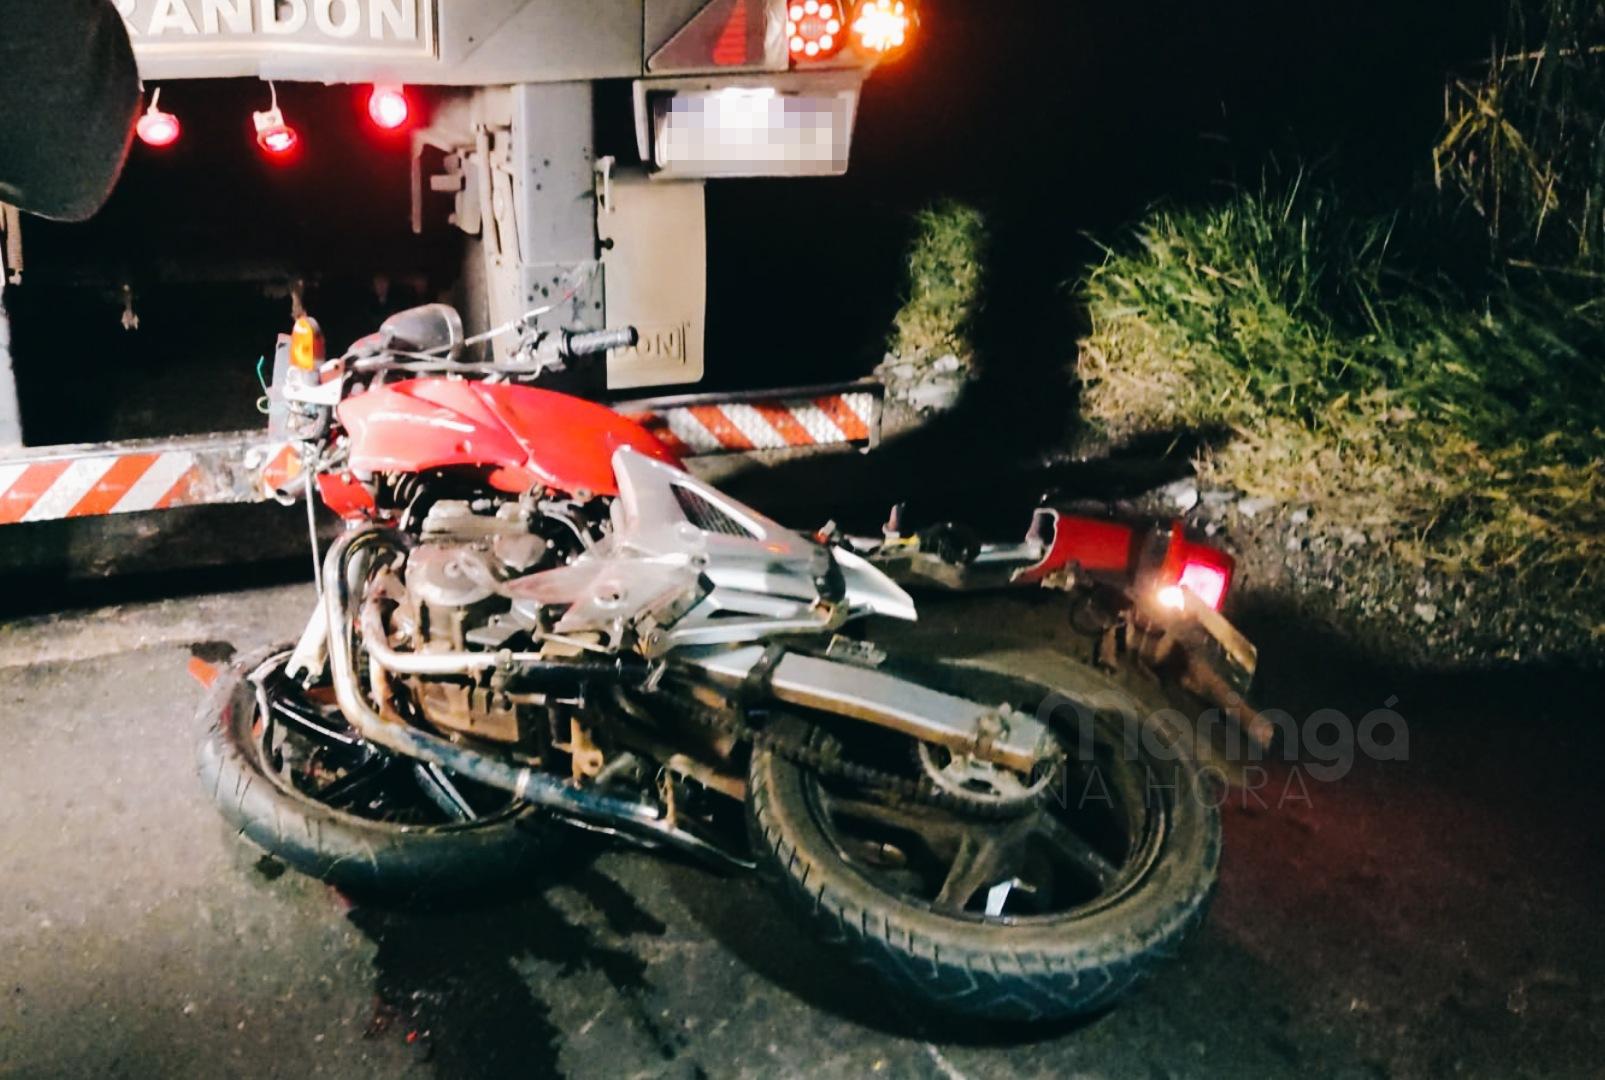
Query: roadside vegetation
[[944, 283], [1427, 382], [930, 352], [1458, 425], [1431, 377]]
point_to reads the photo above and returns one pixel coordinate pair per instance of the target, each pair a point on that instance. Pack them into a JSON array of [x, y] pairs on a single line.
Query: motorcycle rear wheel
[[1043, 924], [411, 851]]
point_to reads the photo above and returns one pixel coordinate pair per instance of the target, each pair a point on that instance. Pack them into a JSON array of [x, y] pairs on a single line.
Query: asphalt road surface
[[1436, 916]]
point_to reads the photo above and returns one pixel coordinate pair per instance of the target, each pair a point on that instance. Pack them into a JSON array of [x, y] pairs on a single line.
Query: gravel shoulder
[[1291, 559]]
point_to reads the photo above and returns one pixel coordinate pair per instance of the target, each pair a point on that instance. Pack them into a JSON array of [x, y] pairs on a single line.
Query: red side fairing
[[527, 436]]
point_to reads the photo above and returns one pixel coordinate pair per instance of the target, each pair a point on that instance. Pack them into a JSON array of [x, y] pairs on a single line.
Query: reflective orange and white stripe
[[99, 484], [780, 424], [49, 484]]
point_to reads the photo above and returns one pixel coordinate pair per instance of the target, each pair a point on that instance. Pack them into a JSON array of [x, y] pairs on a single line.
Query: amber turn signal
[[306, 343]]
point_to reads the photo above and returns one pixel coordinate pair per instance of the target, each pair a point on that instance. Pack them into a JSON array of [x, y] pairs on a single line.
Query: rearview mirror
[[428, 328]]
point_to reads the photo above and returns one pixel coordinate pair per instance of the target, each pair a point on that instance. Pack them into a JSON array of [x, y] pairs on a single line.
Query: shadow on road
[[460, 982], [744, 919], [1436, 905]]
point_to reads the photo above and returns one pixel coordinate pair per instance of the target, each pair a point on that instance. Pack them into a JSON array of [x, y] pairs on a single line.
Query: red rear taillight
[[1204, 581], [814, 29], [155, 127], [273, 135], [1204, 571], [388, 107], [278, 140]]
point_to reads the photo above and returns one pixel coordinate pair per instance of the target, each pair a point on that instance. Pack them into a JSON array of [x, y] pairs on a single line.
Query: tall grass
[[1522, 141], [1461, 428], [944, 283]]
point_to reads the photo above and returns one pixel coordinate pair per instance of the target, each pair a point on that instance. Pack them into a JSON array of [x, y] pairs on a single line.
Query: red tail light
[[277, 140], [388, 107], [273, 135], [814, 29], [1204, 581], [1204, 571], [155, 127], [1111, 551]]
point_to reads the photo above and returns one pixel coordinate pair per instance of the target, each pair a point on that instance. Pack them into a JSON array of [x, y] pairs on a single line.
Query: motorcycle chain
[[827, 761]]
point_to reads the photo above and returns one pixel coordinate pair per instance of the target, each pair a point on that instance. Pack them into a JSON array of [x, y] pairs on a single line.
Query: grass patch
[[1458, 426], [1521, 144], [944, 284]]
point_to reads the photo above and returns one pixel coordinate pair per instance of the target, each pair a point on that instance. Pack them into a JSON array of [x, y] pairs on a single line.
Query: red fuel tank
[[528, 436]]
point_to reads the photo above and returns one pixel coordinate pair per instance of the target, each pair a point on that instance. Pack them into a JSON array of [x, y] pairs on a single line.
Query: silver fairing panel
[[686, 564], [870, 591]]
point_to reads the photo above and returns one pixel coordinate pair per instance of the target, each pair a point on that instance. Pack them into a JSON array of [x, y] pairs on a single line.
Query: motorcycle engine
[[451, 603]]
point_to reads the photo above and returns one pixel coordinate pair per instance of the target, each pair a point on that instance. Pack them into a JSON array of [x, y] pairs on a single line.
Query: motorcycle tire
[[1031, 969], [359, 855]]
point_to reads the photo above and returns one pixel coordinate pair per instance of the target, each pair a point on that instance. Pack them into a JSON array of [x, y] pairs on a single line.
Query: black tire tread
[[349, 852], [961, 972]]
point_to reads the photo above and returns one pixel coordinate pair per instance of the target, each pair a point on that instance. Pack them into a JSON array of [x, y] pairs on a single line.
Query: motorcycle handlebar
[[590, 342], [568, 345]]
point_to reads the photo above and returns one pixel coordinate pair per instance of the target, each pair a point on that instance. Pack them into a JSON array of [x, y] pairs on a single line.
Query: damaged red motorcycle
[[536, 619]]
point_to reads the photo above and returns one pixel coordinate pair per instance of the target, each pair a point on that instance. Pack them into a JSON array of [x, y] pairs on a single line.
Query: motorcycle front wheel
[[290, 776], [1056, 909]]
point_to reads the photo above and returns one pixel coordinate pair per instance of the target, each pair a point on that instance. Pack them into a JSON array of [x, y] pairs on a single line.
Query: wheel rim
[[1087, 842], [304, 747]]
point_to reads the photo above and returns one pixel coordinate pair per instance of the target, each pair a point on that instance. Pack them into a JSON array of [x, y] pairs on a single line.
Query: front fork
[[312, 650]]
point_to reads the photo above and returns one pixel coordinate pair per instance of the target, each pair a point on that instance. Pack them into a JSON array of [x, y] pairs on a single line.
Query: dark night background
[[1059, 118]]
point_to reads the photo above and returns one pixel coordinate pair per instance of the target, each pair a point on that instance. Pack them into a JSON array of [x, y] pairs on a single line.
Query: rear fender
[[1095, 545]]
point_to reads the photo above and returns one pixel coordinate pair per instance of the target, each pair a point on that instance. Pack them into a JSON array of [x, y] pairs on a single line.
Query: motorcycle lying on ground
[[537, 618]]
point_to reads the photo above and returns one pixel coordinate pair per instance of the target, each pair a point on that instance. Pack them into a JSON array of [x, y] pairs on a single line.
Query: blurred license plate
[[753, 131]]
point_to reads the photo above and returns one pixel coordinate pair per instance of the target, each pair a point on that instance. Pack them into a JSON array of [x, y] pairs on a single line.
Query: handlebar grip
[[590, 342]]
